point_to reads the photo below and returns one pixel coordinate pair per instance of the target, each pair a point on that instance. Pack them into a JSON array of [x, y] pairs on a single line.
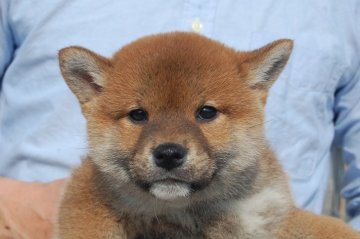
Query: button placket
[[197, 25], [199, 16]]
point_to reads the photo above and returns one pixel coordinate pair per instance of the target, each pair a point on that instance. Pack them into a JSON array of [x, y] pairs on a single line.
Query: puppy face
[[177, 116]]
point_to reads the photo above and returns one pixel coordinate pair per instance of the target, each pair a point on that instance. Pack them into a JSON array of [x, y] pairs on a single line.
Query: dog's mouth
[[171, 189], [169, 181]]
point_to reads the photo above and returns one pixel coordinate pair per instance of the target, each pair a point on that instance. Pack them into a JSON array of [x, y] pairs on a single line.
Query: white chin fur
[[170, 191]]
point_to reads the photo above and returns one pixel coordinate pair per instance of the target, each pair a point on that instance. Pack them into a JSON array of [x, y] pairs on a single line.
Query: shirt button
[[196, 25]]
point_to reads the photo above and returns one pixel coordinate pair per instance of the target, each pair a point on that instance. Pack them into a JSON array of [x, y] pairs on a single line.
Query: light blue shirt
[[315, 103]]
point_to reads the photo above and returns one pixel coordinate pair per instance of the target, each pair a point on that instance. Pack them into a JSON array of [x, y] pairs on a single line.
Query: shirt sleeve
[[6, 40], [347, 137], [347, 117]]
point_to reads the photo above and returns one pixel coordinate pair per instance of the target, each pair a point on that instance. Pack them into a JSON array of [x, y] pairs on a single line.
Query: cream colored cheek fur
[[99, 153]]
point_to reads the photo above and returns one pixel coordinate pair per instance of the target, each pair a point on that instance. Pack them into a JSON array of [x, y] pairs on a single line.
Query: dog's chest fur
[[247, 218]]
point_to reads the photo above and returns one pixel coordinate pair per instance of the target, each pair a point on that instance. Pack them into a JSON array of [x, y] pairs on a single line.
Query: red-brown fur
[[171, 76]]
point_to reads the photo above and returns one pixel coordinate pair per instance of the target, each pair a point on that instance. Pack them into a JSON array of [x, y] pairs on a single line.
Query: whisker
[[262, 123], [157, 219]]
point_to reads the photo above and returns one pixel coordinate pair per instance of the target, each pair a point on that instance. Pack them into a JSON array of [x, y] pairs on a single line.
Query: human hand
[[28, 210]]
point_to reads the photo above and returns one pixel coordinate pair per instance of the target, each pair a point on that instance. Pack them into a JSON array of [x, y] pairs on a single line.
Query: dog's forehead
[[174, 69]]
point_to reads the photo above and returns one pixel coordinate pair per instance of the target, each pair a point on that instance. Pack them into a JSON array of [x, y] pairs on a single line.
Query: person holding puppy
[[313, 105]]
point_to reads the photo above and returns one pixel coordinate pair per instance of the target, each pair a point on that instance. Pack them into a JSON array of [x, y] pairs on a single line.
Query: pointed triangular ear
[[83, 71], [264, 65]]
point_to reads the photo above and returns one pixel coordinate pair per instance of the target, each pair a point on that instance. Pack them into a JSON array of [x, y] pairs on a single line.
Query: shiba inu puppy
[[176, 145]]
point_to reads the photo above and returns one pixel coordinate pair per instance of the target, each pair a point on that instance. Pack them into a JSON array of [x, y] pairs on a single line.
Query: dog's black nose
[[169, 155]]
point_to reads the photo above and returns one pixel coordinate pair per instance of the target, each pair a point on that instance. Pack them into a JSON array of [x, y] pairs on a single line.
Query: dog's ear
[[264, 65], [83, 71]]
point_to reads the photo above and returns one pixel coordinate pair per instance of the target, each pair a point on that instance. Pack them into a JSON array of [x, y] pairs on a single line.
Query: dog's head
[[178, 115]]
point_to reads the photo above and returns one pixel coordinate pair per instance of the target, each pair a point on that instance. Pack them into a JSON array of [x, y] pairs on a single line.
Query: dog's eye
[[138, 115], [206, 113]]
